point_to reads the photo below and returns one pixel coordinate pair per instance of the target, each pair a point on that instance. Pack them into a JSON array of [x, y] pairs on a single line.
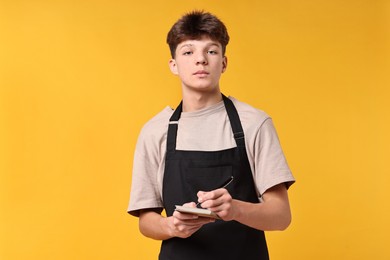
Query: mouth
[[201, 73]]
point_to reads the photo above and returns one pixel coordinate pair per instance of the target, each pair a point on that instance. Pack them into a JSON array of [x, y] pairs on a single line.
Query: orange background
[[78, 79]]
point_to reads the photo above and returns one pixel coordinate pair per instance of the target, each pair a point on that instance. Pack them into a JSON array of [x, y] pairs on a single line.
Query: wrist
[[166, 227], [237, 212]]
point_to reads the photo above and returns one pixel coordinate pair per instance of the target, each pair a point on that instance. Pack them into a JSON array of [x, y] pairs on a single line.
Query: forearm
[[265, 216], [272, 214], [154, 225]]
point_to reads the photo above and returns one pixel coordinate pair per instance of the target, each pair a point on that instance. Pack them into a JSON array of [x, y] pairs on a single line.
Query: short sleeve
[[270, 164], [144, 188]]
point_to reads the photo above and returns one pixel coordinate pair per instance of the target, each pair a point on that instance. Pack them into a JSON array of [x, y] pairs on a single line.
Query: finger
[[211, 195], [190, 204], [184, 216], [215, 198], [190, 223]]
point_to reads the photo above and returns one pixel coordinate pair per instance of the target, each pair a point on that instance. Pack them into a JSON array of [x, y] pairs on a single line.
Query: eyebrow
[[208, 45], [186, 45]]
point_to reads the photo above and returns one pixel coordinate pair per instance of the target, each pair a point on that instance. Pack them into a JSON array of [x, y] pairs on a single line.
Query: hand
[[218, 201], [184, 225]]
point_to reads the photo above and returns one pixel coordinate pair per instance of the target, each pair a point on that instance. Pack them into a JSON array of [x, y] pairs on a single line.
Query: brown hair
[[195, 25]]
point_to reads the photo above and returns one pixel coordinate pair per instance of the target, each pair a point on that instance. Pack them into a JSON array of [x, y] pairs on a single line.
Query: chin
[[202, 88]]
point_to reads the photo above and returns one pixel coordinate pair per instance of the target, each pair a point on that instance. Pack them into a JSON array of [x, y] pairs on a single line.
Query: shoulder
[[250, 116], [158, 124], [153, 134]]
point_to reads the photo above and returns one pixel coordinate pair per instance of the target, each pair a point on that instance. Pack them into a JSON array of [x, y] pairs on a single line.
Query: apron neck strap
[[235, 122], [172, 128]]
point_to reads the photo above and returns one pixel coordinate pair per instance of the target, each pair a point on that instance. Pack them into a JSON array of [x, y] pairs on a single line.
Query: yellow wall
[[79, 78]]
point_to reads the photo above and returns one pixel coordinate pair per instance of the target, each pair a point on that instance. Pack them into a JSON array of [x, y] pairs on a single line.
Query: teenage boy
[[183, 156]]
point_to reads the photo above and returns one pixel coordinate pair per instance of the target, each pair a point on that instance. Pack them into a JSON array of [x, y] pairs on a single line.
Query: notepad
[[197, 211]]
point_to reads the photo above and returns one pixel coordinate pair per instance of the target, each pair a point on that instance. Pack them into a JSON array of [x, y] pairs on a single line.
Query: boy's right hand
[[184, 225]]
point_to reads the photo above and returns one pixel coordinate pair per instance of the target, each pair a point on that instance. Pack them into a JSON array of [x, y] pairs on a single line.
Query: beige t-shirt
[[206, 130]]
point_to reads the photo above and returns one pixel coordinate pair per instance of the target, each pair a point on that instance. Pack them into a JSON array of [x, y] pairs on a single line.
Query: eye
[[186, 53], [212, 52]]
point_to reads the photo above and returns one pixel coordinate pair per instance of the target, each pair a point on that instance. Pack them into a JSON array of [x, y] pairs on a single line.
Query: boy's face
[[199, 64]]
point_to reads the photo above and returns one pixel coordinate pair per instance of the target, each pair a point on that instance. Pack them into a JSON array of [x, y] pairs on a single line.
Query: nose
[[201, 59]]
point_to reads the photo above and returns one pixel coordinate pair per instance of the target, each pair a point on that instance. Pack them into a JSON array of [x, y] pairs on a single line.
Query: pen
[[224, 185]]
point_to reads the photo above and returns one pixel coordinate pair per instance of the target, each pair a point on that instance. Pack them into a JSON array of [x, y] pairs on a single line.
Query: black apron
[[187, 172]]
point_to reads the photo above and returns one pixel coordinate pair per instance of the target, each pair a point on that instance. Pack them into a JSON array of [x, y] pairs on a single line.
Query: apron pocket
[[207, 178]]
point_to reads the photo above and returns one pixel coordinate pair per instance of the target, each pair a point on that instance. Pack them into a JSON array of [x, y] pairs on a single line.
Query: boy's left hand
[[218, 201]]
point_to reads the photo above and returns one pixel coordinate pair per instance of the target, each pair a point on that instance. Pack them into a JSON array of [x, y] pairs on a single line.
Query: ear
[[224, 64], [173, 66]]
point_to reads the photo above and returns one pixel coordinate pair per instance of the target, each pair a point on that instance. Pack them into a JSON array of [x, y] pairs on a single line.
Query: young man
[[182, 157]]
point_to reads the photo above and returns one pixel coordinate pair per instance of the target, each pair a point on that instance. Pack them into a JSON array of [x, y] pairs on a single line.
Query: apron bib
[[187, 172]]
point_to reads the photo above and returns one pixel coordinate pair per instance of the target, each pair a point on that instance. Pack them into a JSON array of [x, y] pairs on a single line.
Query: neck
[[193, 101]]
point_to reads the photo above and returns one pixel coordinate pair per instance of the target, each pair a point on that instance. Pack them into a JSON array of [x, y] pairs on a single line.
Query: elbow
[[284, 222], [284, 225], [142, 227]]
